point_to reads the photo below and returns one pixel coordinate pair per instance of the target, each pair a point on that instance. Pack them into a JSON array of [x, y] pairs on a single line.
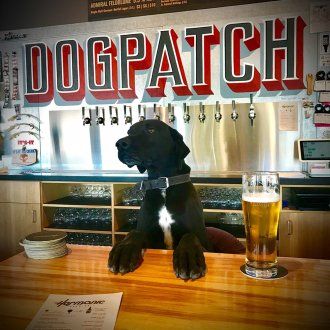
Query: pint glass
[[261, 209]]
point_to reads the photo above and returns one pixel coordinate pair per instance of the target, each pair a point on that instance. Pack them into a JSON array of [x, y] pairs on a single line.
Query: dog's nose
[[123, 143]]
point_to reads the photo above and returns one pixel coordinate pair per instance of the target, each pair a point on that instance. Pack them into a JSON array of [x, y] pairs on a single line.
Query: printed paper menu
[[288, 116], [67, 312]]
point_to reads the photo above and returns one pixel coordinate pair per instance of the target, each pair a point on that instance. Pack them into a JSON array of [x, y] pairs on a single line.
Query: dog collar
[[164, 182]]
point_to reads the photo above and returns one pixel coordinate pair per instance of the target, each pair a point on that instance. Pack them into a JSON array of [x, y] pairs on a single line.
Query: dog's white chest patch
[[165, 222]]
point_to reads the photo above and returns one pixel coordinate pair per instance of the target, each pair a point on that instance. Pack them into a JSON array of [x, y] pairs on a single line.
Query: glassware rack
[[102, 213]]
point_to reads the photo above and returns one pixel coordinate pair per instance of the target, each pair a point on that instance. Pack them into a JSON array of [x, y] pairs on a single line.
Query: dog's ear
[[141, 168], [181, 149]]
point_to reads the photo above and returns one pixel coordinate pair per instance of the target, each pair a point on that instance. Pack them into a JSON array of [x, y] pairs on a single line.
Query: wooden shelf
[[126, 207], [78, 206], [71, 230], [303, 211], [221, 211]]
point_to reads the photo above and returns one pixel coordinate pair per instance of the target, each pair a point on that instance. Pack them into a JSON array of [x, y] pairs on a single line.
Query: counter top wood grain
[[155, 299]]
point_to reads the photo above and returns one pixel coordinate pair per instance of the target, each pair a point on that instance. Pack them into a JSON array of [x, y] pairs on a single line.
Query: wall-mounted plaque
[[101, 10]]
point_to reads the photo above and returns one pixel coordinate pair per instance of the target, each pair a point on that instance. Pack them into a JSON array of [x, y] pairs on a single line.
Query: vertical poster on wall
[[319, 16], [288, 116]]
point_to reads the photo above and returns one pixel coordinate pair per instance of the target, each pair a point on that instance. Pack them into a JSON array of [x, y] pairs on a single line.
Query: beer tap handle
[[186, 115], [201, 115], [171, 113], [87, 120], [114, 119], [234, 114], [99, 119], [252, 114], [97, 115], [143, 115], [156, 115], [110, 113], [103, 116], [218, 115], [144, 111], [128, 118]]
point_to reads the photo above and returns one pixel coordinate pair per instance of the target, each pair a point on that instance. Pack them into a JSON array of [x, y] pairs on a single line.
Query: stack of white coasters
[[45, 245]]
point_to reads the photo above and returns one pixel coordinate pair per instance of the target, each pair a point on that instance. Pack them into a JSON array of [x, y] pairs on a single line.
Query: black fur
[[158, 149]]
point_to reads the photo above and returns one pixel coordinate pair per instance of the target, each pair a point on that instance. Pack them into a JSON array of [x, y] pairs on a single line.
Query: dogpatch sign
[[108, 69]]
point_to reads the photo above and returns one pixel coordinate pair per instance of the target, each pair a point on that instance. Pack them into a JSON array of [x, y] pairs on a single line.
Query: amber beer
[[261, 209]]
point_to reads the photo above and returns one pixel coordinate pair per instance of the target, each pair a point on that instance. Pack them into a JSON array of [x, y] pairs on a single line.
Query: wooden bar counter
[[153, 298]]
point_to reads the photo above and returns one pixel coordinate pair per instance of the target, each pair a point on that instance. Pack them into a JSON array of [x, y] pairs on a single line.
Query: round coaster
[[281, 272]]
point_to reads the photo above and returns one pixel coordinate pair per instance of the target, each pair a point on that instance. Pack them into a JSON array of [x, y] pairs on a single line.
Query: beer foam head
[[262, 197]]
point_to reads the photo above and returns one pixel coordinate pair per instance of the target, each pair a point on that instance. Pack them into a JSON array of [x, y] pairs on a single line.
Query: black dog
[[171, 214]]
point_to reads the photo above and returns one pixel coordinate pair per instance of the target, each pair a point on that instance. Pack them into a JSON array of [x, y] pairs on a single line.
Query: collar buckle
[[166, 183]]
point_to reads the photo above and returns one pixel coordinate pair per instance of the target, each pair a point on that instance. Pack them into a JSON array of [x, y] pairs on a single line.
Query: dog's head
[[152, 144]]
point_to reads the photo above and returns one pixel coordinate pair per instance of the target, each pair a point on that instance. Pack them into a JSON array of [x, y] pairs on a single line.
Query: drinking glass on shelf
[[107, 193], [261, 210], [88, 191]]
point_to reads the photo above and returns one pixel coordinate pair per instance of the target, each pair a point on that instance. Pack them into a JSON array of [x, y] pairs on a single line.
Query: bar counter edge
[[90, 177]]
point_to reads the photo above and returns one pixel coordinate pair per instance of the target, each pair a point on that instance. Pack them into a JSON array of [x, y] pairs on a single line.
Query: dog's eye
[[151, 130]]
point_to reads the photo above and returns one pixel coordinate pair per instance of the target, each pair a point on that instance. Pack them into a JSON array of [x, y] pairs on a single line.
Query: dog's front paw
[[188, 258], [126, 255]]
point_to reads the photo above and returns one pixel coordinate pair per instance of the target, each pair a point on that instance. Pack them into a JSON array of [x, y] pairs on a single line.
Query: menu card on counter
[[68, 312]]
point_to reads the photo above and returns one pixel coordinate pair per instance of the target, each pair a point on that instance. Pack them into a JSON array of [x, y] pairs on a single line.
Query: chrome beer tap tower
[[166, 113]]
